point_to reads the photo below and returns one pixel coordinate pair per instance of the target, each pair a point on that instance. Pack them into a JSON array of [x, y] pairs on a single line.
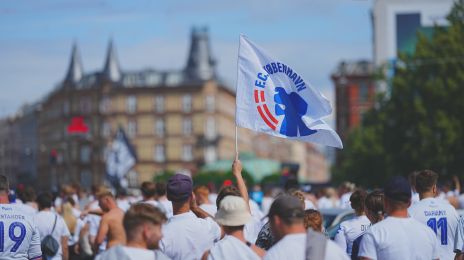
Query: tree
[[421, 125]]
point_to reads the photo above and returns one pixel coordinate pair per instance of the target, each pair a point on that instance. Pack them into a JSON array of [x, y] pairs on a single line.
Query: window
[[66, 107], [159, 153], [187, 126], [187, 153], [131, 104], [210, 128], [105, 104], [363, 92], [159, 104], [210, 103], [106, 129], [85, 105], [86, 179], [132, 128], [187, 103], [85, 154], [210, 154], [159, 127]]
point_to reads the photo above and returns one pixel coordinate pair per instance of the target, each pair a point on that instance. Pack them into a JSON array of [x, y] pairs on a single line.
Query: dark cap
[[179, 187], [398, 189], [286, 207]]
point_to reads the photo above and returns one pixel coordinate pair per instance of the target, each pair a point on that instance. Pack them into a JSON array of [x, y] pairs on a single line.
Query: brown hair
[[226, 191], [374, 203], [104, 193], [425, 180], [299, 195], [139, 214], [148, 189], [313, 219], [357, 200]]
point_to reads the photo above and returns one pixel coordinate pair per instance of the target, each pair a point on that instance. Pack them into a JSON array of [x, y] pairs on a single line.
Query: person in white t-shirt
[[440, 216], [21, 239], [286, 217], [148, 189], [50, 223], [142, 224], [232, 215], [161, 198], [202, 197], [398, 236], [190, 231], [351, 229]]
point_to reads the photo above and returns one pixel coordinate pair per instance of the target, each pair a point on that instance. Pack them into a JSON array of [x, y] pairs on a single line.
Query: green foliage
[[218, 178], [272, 179], [206, 178], [421, 125]]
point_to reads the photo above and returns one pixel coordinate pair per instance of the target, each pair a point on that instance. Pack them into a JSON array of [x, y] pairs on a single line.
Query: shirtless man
[[111, 226]]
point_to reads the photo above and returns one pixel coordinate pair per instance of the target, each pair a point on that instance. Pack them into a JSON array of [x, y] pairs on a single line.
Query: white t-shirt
[[132, 253], [231, 248], [334, 252], [327, 203], [45, 221], [123, 204], [345, 200], [167, 205], [309, 205], [350, 230], [399, 238], [209, 208], [187, 237], [156, 204], [266, 204], [442, 218], [293, 246], [21, 239]]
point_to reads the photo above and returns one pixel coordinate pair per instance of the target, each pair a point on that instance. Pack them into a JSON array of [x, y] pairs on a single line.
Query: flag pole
[[236, 88]]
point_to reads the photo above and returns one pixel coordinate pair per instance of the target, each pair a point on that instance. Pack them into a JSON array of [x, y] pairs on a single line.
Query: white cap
[[233, 211]]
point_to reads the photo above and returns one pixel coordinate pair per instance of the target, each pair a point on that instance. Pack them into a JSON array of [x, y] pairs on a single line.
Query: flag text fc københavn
[[274, 99]]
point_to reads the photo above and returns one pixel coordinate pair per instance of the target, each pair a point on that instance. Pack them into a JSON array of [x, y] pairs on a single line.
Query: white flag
[[120, 157], [274, 99]]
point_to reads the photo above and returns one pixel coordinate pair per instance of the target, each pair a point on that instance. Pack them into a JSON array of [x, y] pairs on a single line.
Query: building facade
[[174, 119], [354, 94]]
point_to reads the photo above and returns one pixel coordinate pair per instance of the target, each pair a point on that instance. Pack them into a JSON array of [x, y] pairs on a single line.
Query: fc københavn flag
[[274, 99], [120, 158]]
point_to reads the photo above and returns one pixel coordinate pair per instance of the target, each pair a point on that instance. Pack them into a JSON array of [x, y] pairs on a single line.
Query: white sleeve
[[459, 240], [340, 238], [215, 229], [367, 248], [34, 248]]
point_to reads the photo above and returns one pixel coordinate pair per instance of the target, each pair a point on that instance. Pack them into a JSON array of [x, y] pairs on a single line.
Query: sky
[[312, 36]]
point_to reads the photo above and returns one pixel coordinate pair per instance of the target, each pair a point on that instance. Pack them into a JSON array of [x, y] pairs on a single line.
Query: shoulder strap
[[54, 224]]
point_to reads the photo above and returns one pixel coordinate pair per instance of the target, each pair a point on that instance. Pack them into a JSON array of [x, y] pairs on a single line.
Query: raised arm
[[237, 171]]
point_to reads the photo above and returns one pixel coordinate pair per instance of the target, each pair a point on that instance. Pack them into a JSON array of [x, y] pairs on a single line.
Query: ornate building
[[174, 119]]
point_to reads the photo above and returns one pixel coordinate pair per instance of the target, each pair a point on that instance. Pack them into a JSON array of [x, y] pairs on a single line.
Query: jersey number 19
[[17, 239]]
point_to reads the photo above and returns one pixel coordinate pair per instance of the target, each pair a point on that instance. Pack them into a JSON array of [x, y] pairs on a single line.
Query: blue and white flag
[[274, 99], [120, 158]]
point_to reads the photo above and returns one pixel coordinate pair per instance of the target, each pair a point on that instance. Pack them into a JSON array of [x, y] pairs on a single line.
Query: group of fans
[[179, 221]]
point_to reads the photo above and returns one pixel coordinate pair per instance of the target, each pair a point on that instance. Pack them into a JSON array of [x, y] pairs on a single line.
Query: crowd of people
[[407, 219]]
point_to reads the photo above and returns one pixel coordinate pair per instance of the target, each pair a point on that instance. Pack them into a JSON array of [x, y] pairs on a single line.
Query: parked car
[[333, 217]]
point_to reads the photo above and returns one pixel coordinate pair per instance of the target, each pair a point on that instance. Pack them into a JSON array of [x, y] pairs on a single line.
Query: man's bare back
[[111, 227], [116, 234]]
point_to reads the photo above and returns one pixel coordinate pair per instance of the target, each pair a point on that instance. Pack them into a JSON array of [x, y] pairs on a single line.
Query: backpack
[[49, 244]]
